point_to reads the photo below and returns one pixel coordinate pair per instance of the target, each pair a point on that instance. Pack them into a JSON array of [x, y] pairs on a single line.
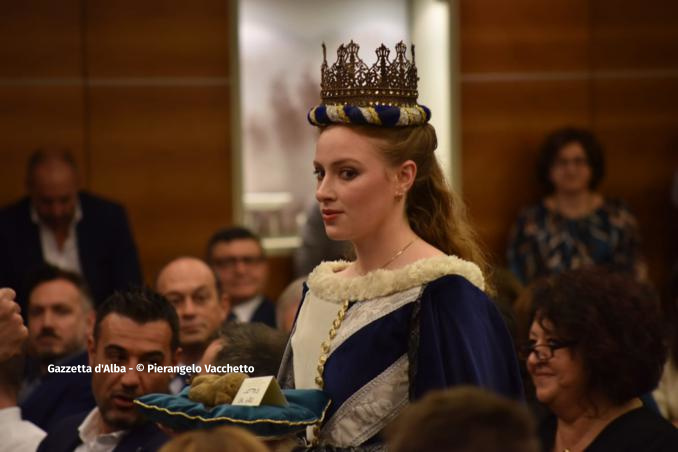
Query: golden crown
[[350, 81]]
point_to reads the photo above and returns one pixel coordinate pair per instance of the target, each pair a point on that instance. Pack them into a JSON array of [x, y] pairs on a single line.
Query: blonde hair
[[434, 211], [218, 439]]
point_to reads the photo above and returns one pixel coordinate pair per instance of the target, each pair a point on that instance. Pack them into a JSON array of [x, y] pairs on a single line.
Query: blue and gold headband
[[384, 95]]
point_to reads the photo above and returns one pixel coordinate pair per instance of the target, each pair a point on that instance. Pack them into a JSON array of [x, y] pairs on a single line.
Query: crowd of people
[[411, 333]]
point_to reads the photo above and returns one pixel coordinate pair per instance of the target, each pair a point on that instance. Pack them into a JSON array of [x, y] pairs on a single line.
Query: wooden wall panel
[[515, 59], [41, 39], [41, 97], [280, 274], [631, 35], [164, 152], [522, 35], [31, 117], [160, 119], [141, 92], [637, 120], [622, 56], [504, 124], [158, 38], [634, 46]]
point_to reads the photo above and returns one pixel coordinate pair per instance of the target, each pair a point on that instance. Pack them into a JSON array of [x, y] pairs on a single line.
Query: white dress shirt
[[93, 438], [245, 311], [17, 435], [66, 258]]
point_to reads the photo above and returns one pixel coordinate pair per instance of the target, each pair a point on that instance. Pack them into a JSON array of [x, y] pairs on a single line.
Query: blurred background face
[[190, 286], [560, 379], [126, 343], [571, 171], [53, 190], [241, 267], [57, 320], [355, 194]]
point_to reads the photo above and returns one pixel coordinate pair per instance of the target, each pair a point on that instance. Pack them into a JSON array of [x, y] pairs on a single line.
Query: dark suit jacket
[[59, 395], [108, 255], [265, 313], [64, 437]]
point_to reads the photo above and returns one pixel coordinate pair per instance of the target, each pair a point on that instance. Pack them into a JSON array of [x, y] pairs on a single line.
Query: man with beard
[[133, 330], [59, 318], [193, 289]]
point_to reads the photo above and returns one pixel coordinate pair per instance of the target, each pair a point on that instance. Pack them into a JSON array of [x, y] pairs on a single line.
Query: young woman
[[409, 314]]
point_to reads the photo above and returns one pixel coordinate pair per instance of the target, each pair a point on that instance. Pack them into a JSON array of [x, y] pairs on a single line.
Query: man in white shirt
[[237, 256], [133, 329], [71, 229], [16, 434]]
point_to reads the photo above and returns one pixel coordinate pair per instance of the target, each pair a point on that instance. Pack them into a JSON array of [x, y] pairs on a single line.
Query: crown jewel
[[350, 81]]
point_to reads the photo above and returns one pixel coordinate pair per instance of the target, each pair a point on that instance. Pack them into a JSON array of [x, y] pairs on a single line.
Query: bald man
[[75, 231], [191, 286]]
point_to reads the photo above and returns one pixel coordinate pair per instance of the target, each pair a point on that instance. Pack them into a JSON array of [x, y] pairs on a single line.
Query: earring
[[399, 195]]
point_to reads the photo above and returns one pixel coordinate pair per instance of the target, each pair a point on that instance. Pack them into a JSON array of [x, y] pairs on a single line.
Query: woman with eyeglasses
[[596, 344], [573, 226]]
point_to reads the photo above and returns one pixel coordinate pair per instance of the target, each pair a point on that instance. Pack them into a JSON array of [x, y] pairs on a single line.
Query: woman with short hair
[[574, 225], [596, 344]]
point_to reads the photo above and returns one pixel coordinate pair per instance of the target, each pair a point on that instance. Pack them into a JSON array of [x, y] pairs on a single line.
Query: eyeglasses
[[231, 262], [577, 161], [544, 352]]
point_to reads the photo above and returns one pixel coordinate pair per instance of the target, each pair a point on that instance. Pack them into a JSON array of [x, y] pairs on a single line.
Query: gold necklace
[[399, 253], [393, 258]]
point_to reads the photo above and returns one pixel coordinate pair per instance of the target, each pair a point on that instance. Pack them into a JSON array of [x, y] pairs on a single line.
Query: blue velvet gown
[[426, 326]]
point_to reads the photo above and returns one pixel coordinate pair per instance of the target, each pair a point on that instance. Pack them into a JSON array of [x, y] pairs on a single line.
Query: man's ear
[[225, 302], [91, 348], [90, 318]]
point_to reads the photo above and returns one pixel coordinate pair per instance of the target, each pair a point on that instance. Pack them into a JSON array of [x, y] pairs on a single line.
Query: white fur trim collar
[[326, 284]]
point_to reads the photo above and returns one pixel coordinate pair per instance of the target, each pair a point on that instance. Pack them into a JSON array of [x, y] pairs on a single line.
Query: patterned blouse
[[543, 242]]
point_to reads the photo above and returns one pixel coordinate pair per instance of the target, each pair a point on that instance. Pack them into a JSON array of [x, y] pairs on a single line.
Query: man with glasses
[[237, 257]]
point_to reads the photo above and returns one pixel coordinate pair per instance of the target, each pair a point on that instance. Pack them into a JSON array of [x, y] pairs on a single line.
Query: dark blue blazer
[[59, 395], [265, 313], [107, 252], [64, 437]]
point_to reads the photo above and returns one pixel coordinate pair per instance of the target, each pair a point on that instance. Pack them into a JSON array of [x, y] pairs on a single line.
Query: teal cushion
[[178, 412]]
